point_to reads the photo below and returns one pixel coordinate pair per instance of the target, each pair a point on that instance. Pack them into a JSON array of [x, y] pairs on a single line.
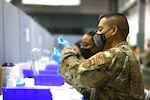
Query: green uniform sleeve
[[68, 60], [94, 71]]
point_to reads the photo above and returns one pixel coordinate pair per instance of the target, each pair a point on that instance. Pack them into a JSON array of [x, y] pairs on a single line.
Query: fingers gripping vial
[[62, 43], [56, 56]]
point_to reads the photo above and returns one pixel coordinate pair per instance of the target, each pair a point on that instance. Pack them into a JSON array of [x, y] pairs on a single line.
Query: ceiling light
[[52, 2], [8, 0]]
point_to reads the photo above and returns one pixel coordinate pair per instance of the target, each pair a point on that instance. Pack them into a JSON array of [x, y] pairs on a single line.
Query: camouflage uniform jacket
[[114, 74]]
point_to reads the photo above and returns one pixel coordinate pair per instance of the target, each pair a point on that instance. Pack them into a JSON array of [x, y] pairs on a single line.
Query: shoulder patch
[[89, 62], [92, 61], [100, 59]]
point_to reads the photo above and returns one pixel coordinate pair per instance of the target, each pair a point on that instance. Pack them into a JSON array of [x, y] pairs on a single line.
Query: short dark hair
[[91, 33], [119, 20], [77, 43]]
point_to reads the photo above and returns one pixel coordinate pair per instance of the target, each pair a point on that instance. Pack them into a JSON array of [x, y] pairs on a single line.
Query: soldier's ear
[[115, 30]]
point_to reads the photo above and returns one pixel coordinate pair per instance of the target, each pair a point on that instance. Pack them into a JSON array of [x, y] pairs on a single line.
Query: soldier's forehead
[[102, 22], [87, 38]]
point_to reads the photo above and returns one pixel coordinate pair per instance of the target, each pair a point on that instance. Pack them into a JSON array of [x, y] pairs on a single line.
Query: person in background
[[77, 49], [88, 47], [113, 73], [84, 49], [145, 56]]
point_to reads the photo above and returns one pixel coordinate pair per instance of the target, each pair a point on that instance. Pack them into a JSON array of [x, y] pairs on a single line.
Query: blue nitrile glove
[[62, 43], [56, 56]]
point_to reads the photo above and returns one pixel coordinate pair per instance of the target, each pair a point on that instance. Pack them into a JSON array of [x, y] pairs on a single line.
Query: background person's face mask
[[86, 53]]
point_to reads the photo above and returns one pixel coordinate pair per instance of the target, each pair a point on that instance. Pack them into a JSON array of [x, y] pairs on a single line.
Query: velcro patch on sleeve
[[100, 58], [89, 62]]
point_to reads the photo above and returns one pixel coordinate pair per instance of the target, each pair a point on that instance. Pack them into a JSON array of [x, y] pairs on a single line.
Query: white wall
[[133, 19], [147, 21], [133, 25]]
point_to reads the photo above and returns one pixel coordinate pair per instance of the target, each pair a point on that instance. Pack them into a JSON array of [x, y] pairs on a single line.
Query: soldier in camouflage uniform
[[113, 74], [87, 49], [84, 91]]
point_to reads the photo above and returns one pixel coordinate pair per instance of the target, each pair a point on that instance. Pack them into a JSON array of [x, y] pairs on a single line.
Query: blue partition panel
[[25, 36], [1, 35], [34, 35], [39, 36], [11, 33]]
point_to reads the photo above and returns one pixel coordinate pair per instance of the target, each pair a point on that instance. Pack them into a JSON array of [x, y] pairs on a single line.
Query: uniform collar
[[121, 44]]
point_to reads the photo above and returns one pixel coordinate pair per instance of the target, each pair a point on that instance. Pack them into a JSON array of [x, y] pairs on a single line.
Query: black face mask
[[99, 40], [86, 53]]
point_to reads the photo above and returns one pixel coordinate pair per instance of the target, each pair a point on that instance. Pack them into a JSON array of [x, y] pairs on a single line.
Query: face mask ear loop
[[104, 41], [107, 30]]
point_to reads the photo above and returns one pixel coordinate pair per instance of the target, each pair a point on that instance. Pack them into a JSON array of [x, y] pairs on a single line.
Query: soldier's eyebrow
[[99, 27]]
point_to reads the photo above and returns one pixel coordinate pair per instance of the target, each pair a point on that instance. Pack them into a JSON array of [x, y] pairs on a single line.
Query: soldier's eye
[[84, 44], [99, 30]]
